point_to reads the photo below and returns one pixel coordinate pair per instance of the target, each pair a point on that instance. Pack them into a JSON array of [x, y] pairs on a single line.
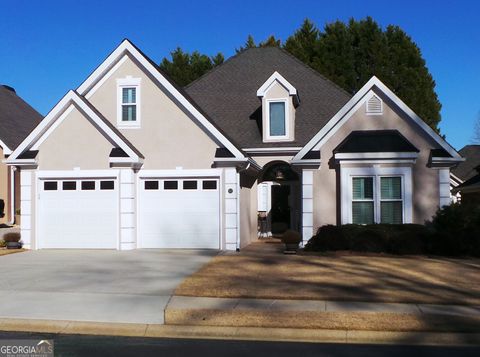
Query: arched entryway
[[279, 198]]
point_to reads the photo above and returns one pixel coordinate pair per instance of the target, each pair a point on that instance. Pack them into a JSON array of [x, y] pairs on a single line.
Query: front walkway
[[261, 271]]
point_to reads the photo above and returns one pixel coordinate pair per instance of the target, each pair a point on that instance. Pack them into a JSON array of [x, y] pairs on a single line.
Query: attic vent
[[374, 105]]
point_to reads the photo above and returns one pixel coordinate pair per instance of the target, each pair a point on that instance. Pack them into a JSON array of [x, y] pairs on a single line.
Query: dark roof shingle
[[228, 94], [467, 169], [17, 118]]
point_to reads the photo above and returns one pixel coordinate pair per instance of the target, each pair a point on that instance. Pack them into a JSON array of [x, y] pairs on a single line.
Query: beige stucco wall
[[278, 91], [4, 186], [425, 180], [168, 138], [74, 143], [248, 216]]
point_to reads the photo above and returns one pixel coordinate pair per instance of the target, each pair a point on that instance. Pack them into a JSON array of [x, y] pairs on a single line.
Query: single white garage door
[[78, 213], [179, 213]]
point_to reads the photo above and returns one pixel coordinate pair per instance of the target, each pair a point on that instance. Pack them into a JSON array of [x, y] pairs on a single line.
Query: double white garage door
[[171, 213]]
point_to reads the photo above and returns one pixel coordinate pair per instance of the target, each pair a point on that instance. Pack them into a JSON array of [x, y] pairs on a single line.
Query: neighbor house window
[[377, 199], [128, 97], [277, 119], [362, 200]]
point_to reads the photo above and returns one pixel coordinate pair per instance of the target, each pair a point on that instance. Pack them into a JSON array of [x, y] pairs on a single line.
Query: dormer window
[[279, 99], [277, 123], [128, 102]]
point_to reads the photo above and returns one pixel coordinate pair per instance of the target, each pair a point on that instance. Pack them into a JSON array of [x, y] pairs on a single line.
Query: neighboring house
[[467, 175], [129, 160], [17, 119]]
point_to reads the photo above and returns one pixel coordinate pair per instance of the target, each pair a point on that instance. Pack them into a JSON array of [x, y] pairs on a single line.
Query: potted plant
[[12, 240], [292, 240]]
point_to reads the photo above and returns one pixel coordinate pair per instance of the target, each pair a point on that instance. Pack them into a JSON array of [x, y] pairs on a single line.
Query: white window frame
[[128, 82], [269, 137], [347, 174]]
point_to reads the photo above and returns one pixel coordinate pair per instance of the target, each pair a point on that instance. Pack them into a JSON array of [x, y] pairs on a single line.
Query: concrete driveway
[[94, 285]]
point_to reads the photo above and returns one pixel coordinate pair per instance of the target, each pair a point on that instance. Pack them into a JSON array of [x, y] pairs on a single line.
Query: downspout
[[12, 194]]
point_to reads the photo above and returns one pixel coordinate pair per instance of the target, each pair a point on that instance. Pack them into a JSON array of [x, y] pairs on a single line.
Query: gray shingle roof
[[467, 169], [17, 118], [228, 94]]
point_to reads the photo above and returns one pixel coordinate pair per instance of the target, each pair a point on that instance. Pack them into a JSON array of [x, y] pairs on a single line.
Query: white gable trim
[[6, 149], [126, 47], [276, 77], [51, 121], [354, 103]]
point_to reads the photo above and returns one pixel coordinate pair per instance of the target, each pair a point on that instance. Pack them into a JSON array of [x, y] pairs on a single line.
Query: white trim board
[[276, 77], [42, 131], [127, 47], [376, 155], [347, 111], [6, 149]]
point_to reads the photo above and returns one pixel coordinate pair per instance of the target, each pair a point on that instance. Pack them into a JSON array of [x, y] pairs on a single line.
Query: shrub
[[291, 237], [391, 238], [3, 244], [11, 237]]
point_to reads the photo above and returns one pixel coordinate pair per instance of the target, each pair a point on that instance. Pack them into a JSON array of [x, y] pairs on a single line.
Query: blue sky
[[48, 47]]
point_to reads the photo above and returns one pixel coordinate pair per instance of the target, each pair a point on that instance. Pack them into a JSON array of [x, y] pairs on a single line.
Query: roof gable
[[126, 47], [228, 95], [347, 111], [58, 113]]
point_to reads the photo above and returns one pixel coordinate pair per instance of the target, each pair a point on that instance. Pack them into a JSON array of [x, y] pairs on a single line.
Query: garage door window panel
[[170, 185], [107, 185], [69, 185], [50, 185], [189, 185], [209, 185], [88, 185]]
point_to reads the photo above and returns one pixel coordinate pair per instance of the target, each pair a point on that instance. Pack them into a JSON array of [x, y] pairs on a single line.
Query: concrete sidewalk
[[202, 311]]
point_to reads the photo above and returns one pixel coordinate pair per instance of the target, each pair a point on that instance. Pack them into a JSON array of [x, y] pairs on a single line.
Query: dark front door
[[280, 209]]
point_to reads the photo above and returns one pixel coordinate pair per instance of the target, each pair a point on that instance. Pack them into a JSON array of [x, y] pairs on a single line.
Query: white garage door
[[78, 213], [179, 213]]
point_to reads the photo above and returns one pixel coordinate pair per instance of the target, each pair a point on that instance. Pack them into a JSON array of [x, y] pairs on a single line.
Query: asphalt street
[[85, 345]]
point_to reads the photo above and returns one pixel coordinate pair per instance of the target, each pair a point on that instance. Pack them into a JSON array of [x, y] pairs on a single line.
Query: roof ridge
[[284, 51], [314, 71], [216, 67]]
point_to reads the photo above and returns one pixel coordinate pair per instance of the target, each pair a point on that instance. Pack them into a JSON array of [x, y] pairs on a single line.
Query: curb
[[241, 333]]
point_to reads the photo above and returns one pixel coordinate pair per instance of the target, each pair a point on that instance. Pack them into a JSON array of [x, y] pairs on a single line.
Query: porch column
[[307, 205], [444, 187], [27, 191], [128, 221], [230, 194]]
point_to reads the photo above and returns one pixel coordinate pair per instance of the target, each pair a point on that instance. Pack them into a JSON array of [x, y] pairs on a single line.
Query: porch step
[[309, 314]]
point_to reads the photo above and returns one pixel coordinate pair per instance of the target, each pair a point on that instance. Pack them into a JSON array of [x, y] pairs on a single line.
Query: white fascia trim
[[305, 162], [23, 162], [349, 109], [377, 161], [119, 53], [447, 159], [346, 174], [6, 149], [376, 155], [289, 150], [276, 77], [457, 180], [59, 174], [180, 173], [70, 98]]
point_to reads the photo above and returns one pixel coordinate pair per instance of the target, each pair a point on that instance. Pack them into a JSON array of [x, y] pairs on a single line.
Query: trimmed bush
[[453, 231], [378, 238]]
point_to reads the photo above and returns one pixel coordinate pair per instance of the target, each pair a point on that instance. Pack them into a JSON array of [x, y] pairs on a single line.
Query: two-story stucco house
[[129, 160]]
